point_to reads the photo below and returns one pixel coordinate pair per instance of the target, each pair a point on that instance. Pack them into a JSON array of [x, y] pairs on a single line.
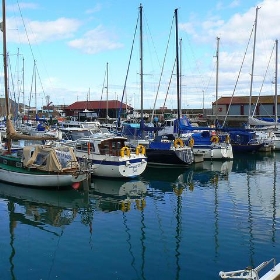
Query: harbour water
[[168, 224]]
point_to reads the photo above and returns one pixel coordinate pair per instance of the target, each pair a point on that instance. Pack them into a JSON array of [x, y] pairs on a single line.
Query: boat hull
[[214, 151], [169, 157], [239, 148], [39, 181], [273, 274], [12, 171], [114, 166]]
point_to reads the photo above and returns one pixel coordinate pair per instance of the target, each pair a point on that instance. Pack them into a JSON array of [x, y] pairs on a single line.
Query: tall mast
[[5, 71], [180, 67], [5, 58], [23, 93], [141, 60], [217, 76], [177, 71], [276, 74], [253, 63], [35, 87], [107, 114]]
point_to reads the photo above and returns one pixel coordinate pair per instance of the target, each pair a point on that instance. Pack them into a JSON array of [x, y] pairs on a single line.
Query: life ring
[[227, 139], [140, 149], [125, 206], [140, 204], [178, 142], [178, 191], [214, 139], [125, 151], [191, 142]]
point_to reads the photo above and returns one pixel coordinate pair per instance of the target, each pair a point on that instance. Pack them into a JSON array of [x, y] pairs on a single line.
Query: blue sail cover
[[269, 119], [184, 125], [202, 138]]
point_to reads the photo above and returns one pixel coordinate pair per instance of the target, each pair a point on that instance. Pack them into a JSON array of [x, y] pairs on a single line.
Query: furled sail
[[13, 135]]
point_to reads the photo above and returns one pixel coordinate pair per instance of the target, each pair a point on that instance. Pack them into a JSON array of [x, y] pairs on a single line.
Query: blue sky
[[72, 42]]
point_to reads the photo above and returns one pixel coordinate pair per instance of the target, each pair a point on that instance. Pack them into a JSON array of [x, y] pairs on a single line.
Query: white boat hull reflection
[[113, 195]]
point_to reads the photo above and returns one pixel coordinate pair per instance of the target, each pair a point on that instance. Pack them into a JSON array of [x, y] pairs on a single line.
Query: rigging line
[[128, 67], [172, 24], [263, 81], [155, 49], [103, 86], [197, 68], [209, 80], [31, 89], [238, 75], [40, 80], [169, 83], [15, 75], [29, 43], [13, 88], [25, 31]]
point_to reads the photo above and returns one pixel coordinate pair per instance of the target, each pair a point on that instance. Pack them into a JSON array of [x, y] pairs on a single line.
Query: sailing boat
[[36, 166], [245, 140], [265, 129], [162, 150]]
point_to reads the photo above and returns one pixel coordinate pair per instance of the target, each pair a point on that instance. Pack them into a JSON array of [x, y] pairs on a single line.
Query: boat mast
[[35, 88], [23, 90], [141, 60], [177, 71], [181, 76], [3, 27], [275, 82], [217, 77], [253, 64], [107, 114]]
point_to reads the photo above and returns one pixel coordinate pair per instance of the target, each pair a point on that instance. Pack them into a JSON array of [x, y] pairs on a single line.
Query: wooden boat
[[253, 273], [40, 166], [36, 166]]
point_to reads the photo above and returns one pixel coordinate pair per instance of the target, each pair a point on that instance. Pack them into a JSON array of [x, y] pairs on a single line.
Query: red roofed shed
[[100, 107]]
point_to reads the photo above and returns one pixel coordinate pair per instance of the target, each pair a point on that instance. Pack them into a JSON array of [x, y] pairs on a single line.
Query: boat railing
[[248, 273]]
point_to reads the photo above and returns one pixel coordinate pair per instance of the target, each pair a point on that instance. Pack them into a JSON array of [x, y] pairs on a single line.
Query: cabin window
[[92, 149], [84, 147], [41, 159]]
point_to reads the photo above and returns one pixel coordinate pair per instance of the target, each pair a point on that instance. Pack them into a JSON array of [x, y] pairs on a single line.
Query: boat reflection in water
[[111, 195], [205, 173], [243, 163], [212, 171], [40, 208]]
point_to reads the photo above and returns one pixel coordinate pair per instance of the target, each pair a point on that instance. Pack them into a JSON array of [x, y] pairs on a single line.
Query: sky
[[72, 44]]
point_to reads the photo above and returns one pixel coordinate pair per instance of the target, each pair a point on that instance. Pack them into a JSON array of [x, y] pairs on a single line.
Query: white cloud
[[95, 9], [44, 31], [22, 6], [95, 41]]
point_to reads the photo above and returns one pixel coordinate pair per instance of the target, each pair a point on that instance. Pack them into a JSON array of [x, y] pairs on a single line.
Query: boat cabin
[[110, 146]]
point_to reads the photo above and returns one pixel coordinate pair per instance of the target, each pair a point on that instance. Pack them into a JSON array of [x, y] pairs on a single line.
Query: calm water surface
[[168, 224]]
